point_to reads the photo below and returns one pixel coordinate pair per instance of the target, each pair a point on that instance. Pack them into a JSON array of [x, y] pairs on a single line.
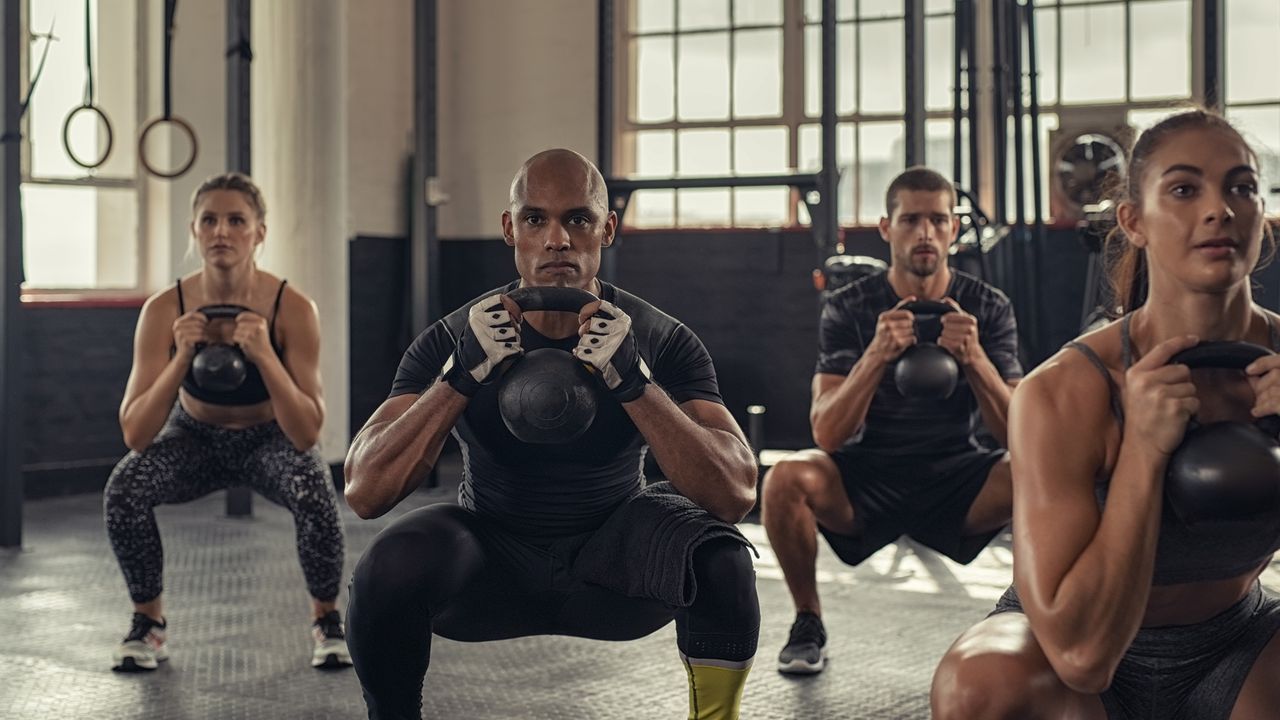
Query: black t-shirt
[[896, 425], [557, 490]]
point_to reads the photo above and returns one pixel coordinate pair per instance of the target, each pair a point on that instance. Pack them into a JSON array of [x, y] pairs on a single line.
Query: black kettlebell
[[1225, 471], [219, 367], [925, 370], [548, 396]]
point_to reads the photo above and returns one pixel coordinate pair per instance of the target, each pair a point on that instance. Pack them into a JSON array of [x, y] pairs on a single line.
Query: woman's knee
[[988, 674]]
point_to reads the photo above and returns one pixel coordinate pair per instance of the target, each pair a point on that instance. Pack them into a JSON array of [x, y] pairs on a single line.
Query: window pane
[[703, 152], [1048, 123], [881, 8], [704, 77], [813, 10], [702, 14], [760, 207], [757, 75], [939, 44], [655, 79], [760, 151], [1093, 41], [1140, 120], [880, 67], [656, 153], [652, 208], [845, 65], [1161, 49], [1252, 30], [62, 89], [938, 147], [933, 6], [1261, 128], [1047, 55], [810, 160], [703, 207], [881, 157], [757, 12], [79, 237], [653, 15]]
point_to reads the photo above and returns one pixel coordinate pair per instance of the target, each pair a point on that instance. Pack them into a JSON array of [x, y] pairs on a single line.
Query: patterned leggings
[[190, 459]]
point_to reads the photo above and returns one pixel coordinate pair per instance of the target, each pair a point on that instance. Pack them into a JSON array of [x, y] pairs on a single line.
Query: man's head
[[558, 219], [920, 223]]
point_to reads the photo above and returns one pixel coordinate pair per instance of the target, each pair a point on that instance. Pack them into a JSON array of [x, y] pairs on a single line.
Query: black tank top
[[252, 391], [1184, 555]]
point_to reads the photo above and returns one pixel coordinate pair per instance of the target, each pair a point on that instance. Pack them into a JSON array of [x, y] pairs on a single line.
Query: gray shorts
[[1187, 672]]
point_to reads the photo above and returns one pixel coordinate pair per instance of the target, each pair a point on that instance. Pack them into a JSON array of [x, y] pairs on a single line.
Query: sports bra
[[253, 390], [1183, 555]]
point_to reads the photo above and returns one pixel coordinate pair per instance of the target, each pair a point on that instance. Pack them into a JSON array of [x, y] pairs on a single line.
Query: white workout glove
[[490, 337], [608, 345]]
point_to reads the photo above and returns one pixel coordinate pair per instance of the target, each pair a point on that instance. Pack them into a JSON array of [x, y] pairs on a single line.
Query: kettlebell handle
[[1226, 354], [928, 307], [222, 312], [552, 299]]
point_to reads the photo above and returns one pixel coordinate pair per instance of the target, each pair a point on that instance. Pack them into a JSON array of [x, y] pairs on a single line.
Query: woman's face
[[226, 228], [1200, 215]]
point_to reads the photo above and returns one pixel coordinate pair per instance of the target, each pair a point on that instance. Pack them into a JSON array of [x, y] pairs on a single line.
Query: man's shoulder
[[645, 316], [966, 286]]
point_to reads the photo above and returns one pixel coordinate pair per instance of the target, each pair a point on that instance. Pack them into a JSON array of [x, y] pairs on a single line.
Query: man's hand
[[608, 345], [490, 337], [960, 335], [895, 332]]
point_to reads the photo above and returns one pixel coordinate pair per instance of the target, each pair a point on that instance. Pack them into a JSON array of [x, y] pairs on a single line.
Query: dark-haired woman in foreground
[[1121, 611]]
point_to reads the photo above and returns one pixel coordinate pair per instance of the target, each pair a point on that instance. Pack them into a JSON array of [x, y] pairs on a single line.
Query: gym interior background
[[385, 132]]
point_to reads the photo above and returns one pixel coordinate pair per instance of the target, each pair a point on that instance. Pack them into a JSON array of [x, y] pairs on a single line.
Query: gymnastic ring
[[142, 146], [66, 136]]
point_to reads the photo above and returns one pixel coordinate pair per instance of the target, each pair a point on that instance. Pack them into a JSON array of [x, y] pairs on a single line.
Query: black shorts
[[1187, 672], [925, 497]]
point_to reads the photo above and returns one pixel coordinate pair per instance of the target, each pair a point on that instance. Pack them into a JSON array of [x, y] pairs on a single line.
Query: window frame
[[136, 182]]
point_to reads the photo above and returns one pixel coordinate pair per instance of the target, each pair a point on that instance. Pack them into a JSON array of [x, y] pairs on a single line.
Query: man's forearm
[[710, 466], [993, 394], [838, 414]]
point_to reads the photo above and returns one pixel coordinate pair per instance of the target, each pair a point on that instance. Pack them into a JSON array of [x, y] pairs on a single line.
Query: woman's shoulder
[[1071, 379]]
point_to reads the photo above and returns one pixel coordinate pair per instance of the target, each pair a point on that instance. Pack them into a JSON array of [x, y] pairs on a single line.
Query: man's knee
[[424, 561], [794, 479]]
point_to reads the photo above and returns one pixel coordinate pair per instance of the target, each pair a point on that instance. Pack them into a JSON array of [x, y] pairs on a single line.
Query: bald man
[[566, 538]]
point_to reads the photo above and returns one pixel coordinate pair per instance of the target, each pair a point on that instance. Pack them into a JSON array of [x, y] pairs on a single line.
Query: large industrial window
[[81, 226], [733, 87], [1108, 66], [1253, 85]]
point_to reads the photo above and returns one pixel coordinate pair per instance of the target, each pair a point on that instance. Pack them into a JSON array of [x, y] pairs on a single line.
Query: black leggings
[[190, 459], [445, 570]]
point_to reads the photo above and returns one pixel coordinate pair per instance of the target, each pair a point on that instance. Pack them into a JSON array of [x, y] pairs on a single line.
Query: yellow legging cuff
[[715, 693]]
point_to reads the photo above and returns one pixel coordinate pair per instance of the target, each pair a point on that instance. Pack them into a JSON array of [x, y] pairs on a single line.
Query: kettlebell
[[219, 367], [925, 370], [548, 396], [1225, 471]]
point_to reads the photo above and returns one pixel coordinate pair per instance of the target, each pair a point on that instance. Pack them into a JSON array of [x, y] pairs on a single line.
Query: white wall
[[516, 77]]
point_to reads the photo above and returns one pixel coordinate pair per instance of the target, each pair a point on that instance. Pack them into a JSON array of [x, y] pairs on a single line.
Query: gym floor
[[239, 632]]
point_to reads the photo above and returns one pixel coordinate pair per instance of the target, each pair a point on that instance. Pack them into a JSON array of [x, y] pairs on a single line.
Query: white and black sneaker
[[143, 648], [331, 643], [806, 650]]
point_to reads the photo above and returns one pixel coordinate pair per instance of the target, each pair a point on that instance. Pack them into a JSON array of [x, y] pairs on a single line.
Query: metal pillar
[[424, 245], [11, 420], [829, 224], [605, 115], [1215, 60], [239, 500], [914, 95]]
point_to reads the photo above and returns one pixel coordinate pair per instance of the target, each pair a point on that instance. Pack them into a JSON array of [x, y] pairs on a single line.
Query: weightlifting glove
[[489, 338], [609, 346]]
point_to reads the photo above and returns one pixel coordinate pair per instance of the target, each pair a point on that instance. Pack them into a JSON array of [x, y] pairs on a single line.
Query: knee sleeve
[[723, 623]]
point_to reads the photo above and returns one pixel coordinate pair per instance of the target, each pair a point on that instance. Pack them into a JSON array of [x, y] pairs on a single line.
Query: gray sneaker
[[806, 650], [143, 648], [331, 643]]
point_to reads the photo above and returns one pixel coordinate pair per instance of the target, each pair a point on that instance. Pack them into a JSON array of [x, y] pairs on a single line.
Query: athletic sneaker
[[331, 643], [143, 647], [806, 649]]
